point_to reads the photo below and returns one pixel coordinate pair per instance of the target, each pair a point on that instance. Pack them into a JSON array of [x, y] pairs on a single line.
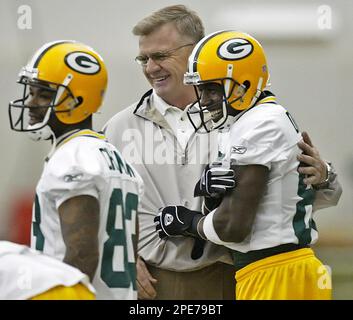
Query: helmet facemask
[[214, 114], [21, 114]]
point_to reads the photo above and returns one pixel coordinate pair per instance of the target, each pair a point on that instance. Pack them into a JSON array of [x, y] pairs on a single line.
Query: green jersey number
[[116, 231], [37, 232], [302, 229]]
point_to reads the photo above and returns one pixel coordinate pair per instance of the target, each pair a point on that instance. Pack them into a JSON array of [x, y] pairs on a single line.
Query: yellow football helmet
[[237, 62], [77, 75]]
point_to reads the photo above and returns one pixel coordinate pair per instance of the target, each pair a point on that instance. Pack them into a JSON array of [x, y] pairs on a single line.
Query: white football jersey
[[84, 163], [26, 273], [267, 135]]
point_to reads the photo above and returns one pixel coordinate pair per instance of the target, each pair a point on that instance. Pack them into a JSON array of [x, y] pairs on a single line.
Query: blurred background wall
[[309, 45]]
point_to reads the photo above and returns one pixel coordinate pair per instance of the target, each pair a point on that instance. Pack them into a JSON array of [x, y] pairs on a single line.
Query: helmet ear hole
[[246, 84], [79, 100]]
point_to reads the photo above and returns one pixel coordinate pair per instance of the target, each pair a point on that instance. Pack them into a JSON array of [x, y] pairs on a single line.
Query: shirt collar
[[160, 104], [163, 107], [58, 142], [78, 133]]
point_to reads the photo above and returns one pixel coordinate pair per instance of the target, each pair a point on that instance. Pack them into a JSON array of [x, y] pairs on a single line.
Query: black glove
[[214, 181], [173, 221]]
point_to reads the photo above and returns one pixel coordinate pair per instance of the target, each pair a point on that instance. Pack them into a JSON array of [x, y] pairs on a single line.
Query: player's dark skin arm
[[79, 218], [235, 216]]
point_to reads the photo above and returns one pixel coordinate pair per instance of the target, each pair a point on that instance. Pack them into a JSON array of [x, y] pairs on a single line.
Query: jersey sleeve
[[262, 140], [72, 172]]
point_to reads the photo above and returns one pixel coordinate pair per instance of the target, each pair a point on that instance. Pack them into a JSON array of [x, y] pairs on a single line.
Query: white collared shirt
[[176, 118]]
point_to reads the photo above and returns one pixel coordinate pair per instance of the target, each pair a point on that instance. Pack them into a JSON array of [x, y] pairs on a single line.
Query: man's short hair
[[186, 21]]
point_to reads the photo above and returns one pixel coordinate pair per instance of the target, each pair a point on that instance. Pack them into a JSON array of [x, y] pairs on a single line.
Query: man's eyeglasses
[[158, 56]]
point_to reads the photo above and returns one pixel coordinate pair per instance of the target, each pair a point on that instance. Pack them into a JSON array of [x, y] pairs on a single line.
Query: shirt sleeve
[[329, 197]]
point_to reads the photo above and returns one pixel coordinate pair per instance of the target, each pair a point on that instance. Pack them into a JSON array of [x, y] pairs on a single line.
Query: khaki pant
[[215, 282]]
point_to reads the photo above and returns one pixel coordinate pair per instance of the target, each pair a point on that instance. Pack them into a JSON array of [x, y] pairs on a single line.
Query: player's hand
[[145, 281], [173, 221], [215, 181], [314, 167]]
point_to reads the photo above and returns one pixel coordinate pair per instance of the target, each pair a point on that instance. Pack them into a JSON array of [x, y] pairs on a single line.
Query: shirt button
[[186, 203]]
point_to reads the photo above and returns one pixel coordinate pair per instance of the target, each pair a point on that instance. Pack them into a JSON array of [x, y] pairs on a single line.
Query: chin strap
[[227, 83], [53, 147], [43, 132], [61, 89], [258, 92], [227, 88]]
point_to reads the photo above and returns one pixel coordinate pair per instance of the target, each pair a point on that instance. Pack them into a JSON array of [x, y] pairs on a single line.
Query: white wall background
[[311, 73]]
